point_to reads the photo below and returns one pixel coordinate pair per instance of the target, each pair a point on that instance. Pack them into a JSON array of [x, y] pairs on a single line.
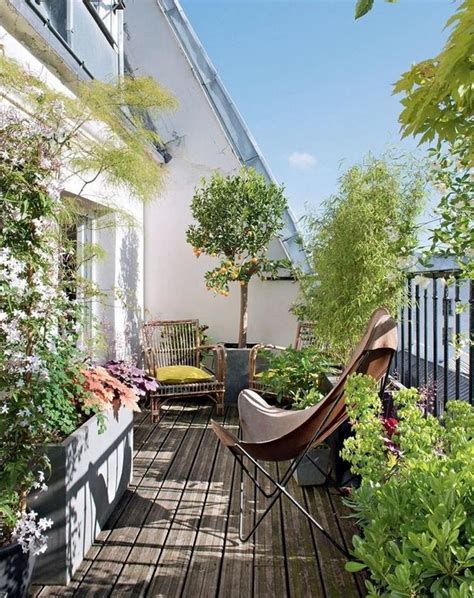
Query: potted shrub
[[359, 249], [295, 377], [415, 503], [90, 469], [236, 218], [48, 398]]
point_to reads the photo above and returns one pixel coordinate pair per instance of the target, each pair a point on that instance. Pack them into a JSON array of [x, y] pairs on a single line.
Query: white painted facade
[[199, 145], [149, 270], [119, 274]]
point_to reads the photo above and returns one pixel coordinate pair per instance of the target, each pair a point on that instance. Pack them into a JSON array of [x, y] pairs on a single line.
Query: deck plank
[[139, 566], [237, 567], [202, 577], [175, 532], [347, 529], [301, 561], [270, 578], [330, 559]]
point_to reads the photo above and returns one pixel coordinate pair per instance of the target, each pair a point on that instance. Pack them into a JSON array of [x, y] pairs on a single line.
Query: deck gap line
[[282, 531]]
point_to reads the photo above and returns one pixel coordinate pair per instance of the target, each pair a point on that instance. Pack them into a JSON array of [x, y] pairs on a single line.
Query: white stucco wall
[[174, 278], [120, 273]]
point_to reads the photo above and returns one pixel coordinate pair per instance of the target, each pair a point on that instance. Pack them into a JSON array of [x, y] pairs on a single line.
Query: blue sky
[[313, 84]]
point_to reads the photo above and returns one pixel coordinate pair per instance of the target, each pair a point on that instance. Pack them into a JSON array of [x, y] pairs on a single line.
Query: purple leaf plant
[[132, 376]]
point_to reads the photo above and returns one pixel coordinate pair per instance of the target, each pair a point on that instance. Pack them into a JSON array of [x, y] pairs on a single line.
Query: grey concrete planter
[[16, 569], [89, 474], [237, 373], [307, 474]]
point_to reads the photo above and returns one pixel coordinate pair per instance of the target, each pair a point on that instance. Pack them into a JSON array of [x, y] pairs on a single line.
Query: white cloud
[[302, 160]]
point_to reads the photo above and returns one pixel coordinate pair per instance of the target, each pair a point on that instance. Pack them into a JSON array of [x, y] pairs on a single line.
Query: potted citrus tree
[[236, 217]]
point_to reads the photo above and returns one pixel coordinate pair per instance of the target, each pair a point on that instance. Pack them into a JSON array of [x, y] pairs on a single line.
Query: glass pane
[[91, 45], [56, 12]]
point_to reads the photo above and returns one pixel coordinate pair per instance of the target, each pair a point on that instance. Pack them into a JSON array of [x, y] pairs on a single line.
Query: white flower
[[29, 533], [4, 409]]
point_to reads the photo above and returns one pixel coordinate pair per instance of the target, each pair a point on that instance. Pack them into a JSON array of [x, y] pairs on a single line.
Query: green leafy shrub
[[296, 374], [415, 504], [358, 250]]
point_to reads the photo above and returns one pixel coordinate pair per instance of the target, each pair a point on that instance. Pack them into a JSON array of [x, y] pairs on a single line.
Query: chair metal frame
[[362, 361], [177, 342]]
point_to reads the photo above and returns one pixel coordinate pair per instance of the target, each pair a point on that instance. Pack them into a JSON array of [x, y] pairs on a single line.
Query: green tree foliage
[[236, 218], [358, 249], [438, 108]]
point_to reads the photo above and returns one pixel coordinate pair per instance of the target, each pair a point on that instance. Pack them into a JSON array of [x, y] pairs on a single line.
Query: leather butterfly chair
[[273, 434]]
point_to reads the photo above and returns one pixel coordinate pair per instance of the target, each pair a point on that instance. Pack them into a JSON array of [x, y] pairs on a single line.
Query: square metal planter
[[306, 474], [89, 474]]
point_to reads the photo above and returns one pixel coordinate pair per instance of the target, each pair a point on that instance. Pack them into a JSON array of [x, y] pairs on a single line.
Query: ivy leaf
[[363, 7]]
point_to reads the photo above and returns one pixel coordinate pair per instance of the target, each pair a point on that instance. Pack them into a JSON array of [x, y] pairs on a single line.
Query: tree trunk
[[244, 289]]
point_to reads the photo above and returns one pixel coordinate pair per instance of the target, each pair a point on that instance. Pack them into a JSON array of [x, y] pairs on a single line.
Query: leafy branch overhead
[[365, 6], [122, 150], [438, 108]]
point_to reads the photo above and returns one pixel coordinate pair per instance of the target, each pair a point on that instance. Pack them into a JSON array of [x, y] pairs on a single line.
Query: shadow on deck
[[174, 532]]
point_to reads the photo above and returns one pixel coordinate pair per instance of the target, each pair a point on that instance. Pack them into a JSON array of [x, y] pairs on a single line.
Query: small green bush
[[296, 375], [415, 504]]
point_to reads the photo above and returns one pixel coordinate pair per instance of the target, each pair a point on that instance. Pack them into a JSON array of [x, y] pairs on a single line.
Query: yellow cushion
[[181, 374]]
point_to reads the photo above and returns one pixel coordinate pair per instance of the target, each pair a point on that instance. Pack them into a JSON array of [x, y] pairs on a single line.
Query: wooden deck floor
[[175, 531]]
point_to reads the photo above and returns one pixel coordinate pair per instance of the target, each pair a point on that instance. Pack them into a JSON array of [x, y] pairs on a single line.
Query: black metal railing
[[436, 329]]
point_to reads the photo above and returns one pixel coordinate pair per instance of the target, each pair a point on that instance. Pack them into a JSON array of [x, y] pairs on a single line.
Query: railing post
[[417, 332], [471, 342], [425, 334], [435, 344], [402, 340], [445, 342], [410, 327], [457, 330]]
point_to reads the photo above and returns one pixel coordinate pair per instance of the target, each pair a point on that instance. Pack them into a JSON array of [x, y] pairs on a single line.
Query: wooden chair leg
[[155, 409], [220, 404]]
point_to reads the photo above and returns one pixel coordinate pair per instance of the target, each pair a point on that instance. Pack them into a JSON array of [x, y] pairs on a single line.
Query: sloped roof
[[232, 122]]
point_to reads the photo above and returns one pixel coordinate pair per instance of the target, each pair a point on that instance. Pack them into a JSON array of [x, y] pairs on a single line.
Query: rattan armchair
[[305, 337], [177, 342]]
